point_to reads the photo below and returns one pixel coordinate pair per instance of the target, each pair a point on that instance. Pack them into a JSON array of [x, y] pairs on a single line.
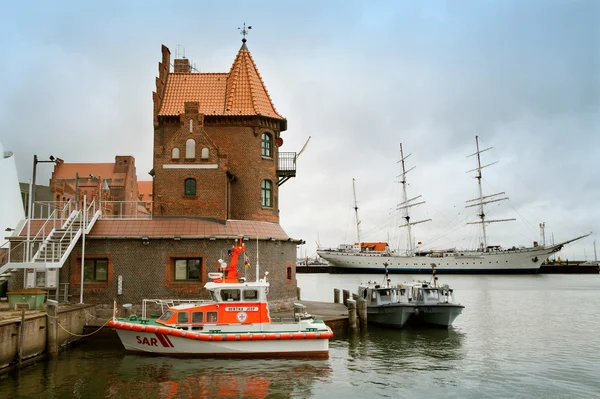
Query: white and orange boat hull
[[176, 342]]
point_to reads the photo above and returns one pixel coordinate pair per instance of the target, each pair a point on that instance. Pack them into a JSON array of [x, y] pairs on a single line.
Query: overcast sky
[[360, 78]]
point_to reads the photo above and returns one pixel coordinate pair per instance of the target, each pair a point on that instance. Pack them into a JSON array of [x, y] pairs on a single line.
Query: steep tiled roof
[[167, 228], [208, 89], [239, 92]]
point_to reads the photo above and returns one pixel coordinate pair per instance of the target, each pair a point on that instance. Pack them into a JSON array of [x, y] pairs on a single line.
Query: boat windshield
[[214, 296], [166, 316]]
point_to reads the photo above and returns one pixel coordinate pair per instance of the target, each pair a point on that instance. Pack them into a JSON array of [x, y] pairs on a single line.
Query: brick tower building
[[216, 139]]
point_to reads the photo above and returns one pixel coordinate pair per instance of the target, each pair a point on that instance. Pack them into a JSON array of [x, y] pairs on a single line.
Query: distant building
[[114, 184]]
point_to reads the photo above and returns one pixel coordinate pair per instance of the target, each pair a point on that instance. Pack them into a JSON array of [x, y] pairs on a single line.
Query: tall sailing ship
[[364, 257]]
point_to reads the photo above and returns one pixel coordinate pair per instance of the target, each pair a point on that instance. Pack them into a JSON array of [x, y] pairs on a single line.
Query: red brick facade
[[226, 163]]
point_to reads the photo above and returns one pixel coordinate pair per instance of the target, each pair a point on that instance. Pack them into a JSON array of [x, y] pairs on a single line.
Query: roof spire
[[244, 32]]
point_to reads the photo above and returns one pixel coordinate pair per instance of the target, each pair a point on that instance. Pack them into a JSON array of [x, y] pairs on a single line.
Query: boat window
[[183, 318], [230, 295], [250, 295], [212, 317], [197, 317], [166, 316], [214, 296]]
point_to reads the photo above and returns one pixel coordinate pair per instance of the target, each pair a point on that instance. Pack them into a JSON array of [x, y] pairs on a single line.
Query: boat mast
[[480, 200], [406, 203], [595, 253], [356, 213]]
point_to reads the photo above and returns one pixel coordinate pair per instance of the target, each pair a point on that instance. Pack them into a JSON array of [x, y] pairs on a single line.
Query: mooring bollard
[[52, 329], [361, 310], [352, 324], [298, 293], [336, 295], [345, 296]]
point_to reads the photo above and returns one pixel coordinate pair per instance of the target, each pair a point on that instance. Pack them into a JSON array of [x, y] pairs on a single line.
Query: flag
[[246, 260], [419, 243]]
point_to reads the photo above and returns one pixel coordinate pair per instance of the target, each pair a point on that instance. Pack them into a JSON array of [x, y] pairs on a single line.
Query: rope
[[79, 335]]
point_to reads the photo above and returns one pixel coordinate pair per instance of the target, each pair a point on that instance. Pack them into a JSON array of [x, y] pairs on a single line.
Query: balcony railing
[[286, 166]]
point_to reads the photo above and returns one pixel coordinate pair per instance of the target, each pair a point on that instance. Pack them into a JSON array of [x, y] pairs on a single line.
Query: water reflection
[[100, 369], [409, 348]]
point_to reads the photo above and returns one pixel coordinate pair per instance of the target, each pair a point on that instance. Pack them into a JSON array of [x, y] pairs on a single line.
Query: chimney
[[182, 65]]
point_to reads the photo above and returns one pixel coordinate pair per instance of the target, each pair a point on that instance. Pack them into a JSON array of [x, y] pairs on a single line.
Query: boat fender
[[416, 311]]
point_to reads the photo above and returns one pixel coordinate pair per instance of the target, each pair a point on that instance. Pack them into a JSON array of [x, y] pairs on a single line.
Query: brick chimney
[[182, 65]]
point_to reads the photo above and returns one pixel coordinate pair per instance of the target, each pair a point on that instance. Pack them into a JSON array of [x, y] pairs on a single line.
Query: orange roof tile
[[145, 190], [239, 92], [167, 228]]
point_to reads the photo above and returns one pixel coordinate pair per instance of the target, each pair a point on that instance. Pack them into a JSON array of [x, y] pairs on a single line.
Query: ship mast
[[356, 214], [488, 198], [407, 203]]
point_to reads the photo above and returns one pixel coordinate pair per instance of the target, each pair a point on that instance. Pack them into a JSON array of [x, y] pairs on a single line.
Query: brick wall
[[147, 270], [235, 147]]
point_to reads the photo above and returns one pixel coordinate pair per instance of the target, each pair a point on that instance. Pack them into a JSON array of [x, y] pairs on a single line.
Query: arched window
[[267, 145], [189, 187], [190, 149], [175, 153], [204, 153], [267, 194]]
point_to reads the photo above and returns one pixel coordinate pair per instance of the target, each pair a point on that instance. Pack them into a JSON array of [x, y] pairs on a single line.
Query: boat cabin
[[376, 294], [425, 293], [233, 301], [229, 304]]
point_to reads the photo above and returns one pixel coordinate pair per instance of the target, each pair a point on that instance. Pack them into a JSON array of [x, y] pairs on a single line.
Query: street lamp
[[51, 159]]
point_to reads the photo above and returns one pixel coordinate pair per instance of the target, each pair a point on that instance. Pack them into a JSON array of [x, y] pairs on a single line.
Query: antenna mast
[[480, 200], [406, 203], [356, 213]]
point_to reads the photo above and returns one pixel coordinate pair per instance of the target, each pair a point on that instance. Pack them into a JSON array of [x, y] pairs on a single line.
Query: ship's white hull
[[526, 260]]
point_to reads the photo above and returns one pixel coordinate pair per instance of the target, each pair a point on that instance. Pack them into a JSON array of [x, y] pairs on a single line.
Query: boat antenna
[[386, 283], [257, 267], [356, 213], [480, 200], [407, 203], [595, 253]]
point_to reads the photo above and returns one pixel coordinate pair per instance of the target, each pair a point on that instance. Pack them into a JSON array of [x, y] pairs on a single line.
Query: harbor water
[[518, 337]]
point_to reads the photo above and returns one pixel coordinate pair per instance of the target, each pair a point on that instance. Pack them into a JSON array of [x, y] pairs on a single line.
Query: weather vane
[[244, 31]]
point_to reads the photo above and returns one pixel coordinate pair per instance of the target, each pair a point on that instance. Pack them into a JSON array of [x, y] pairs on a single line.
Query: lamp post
[[51, 159]]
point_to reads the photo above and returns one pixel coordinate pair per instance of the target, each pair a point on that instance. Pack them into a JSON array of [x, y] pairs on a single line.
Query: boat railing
[[165, 304]]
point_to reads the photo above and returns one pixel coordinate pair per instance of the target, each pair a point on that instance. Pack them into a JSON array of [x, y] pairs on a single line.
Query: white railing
[[126, 209], [166, 303]]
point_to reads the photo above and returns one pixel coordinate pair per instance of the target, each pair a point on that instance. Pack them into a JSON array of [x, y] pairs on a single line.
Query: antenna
[[356, 213], [244, 31], [179, 51]]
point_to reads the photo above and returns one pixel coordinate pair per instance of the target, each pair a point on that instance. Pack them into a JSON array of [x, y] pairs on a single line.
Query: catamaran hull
[[442, 315], [261, 346], [501, 262], [393, 315]]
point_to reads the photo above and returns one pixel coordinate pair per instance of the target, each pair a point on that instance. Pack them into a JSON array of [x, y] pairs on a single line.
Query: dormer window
[[175, 153], [190, 149], [267, 145]]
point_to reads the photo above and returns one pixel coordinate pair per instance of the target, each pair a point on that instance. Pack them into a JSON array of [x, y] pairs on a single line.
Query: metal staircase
[[52, 243]]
